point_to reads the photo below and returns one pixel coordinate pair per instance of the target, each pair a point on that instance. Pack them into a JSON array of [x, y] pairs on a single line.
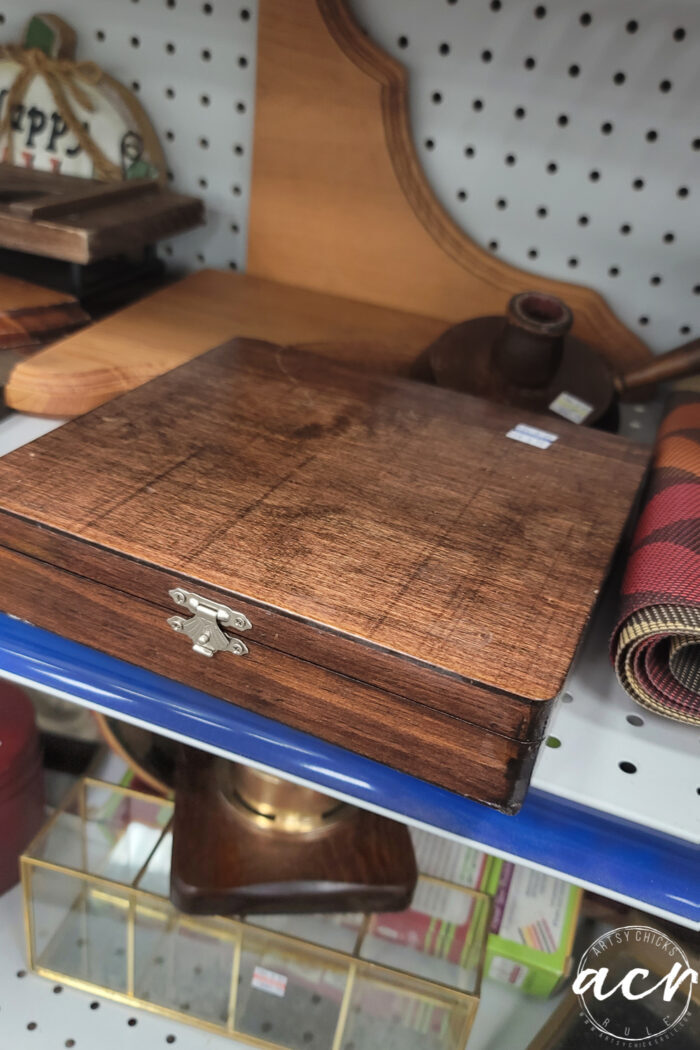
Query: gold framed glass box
[[97, 915]]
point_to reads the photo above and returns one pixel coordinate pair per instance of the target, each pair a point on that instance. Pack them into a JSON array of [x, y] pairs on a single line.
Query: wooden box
[[399, 576]]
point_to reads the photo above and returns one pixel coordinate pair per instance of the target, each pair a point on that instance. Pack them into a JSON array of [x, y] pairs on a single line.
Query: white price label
[[532, 436], [269, 981], [571, 407]]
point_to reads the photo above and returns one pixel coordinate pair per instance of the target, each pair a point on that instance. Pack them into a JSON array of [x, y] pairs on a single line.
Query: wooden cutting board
[[197, 313], [415, 582]]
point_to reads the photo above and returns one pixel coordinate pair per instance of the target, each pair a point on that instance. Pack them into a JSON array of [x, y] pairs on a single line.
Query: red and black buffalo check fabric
[[656, 644]]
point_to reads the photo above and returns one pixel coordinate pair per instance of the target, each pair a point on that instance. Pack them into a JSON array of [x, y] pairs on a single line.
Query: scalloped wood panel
[[340, 203]]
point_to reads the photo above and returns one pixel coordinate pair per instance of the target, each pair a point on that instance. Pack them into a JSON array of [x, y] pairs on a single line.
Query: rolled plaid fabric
[[656, 644]]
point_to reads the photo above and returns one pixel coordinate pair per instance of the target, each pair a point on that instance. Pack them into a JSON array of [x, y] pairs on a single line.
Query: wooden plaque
[[416, 582]]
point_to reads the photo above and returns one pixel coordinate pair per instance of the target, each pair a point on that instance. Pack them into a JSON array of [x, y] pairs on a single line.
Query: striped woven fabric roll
[[656, 644]]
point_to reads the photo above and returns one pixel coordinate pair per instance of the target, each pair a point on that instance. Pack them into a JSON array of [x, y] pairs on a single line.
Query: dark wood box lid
[[398, 520]]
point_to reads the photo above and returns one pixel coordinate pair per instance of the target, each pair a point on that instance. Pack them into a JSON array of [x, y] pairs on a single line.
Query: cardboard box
[[533, 925]]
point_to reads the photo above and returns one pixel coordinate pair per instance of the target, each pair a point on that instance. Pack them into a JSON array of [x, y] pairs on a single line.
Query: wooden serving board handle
[[201, 311]]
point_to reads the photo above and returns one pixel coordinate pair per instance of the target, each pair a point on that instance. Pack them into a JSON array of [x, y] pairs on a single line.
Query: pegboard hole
[[170, 92], [685, 329], [486, 56], [562, 120], [542, 212], [469, 151], [614, 271], [552, 168], [135, 41], [444, 48], [170, 1038], [510, 159], [572, 261], [696, 143], [501, 203], [245, 14], [100, 34], [594, 175], [632, 26], [204, 143], [402, 41], [207, 8], [638, 184], [530, 62], [493, 246], [619, 77], [170, 48], [238, 149], [567, 698], [606, 128], [232, 264], [574, 70], [243, 62], [519, 113], [540, 11], [478, 105], [235, 228], [652, 135], [202, 183], [495, 5], [625, 229], [69, 1043], [31, 1026], [583, 220], [436, 98], [586, 19], [205, 54], [655, 279], [57, 989], [679, 34], [204, 100], [461, 195], [532, 253], [669, 238], [665, 86], [170, 136], [627, 767], [644, 320], [635, 720], [429, 143], [21, 973]]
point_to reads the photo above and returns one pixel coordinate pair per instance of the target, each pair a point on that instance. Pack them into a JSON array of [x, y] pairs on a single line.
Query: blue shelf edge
[[617, 858]]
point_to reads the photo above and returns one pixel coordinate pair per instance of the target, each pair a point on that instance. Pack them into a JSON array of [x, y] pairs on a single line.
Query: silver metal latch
[[205, 628]]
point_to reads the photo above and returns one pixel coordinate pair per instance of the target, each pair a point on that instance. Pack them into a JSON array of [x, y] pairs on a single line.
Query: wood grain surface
[[110, 222], [392, 514], [341, 710], [197, 313], [340, 202], [224, 865]]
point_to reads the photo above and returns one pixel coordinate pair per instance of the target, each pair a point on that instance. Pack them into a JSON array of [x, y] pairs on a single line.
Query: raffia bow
[[63, 77]]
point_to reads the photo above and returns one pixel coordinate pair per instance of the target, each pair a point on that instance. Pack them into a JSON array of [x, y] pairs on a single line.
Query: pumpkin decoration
[[70, 117]]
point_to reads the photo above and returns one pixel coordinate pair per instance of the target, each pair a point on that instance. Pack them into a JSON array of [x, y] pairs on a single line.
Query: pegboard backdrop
[[563, 136]]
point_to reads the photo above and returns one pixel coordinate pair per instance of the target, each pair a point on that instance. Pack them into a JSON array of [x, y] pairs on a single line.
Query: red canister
[[21, 780]]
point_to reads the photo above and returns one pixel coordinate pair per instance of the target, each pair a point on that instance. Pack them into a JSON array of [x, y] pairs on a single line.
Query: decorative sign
[[70, 117]]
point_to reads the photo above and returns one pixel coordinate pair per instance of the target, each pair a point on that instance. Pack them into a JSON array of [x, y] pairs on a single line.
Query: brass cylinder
[[279, 805]]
